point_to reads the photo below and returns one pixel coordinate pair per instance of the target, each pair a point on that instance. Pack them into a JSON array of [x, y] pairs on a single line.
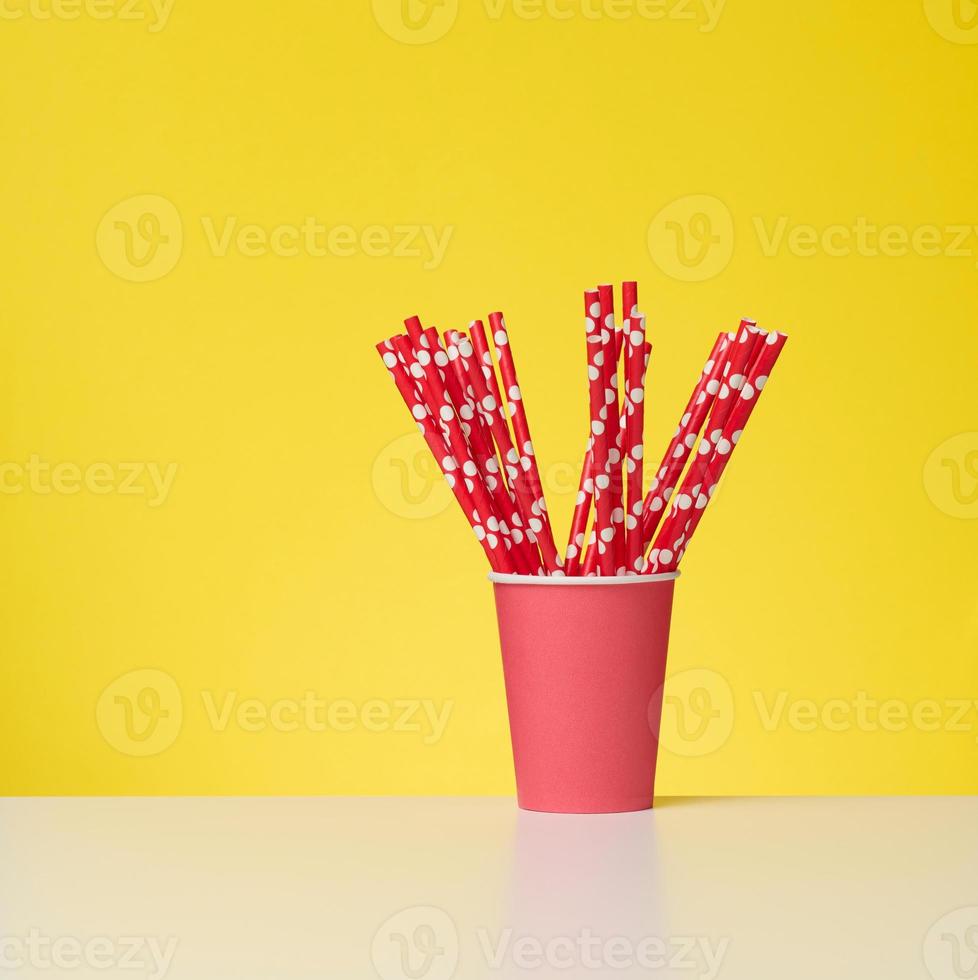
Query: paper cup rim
[[504, 578]]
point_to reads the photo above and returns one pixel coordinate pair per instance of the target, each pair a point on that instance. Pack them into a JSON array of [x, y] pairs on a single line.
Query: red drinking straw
[[452, 392], [539, 520], [429, 428], [633, 418], [673, 539], [458, 460], [601, 556], [612, 335], [477, 432], [479, 376], [686, 434]]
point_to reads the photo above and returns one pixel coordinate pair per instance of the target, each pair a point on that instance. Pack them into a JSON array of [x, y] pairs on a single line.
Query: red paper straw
[[521, 429], [430, 429], [480, 376], [487, 455], [601, 556], [633, 418], [738, 355], [585, 489], [424, 368], [673, 539], [738, 351], [687, 432], [629, 298], [612, 335], [582, 508], [477, 432]]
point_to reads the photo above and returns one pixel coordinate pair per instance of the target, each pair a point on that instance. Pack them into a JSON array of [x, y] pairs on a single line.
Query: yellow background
[[285, 557]]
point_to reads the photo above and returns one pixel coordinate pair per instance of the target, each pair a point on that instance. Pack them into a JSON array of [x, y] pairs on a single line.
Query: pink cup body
[[582, 663]]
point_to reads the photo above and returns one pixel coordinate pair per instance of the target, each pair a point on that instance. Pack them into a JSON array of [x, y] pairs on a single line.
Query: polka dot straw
[[585, 489], [673, 539], [488, 406], [452, 392], [612, 354], [477, 433], [633, 418], [741, 346], [432, 434], [600, 344], [582, 507], [457, 460], [539, 519], [683, 440]]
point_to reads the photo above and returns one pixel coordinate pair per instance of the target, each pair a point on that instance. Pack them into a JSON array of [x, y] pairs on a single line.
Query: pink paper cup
[[582, 659]]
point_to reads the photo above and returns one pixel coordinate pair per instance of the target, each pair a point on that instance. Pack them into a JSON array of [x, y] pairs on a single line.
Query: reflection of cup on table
[[582, 659]]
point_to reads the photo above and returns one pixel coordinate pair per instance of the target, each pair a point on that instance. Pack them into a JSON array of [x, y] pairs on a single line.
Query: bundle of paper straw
[[470, 409]]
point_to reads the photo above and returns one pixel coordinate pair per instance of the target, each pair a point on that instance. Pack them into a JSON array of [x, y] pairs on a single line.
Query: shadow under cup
[[583, 659]]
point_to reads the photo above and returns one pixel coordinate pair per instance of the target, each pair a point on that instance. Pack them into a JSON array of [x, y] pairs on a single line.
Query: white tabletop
[[428, 889]]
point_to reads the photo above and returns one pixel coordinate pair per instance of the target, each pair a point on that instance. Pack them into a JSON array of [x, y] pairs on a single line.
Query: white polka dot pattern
[[493, 419], [637, 352], [600, 341], [483, 377], [673, 538], [436, 443], [521, 428], [431, 383], [480, 439], [683, 440], [464, 414]]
